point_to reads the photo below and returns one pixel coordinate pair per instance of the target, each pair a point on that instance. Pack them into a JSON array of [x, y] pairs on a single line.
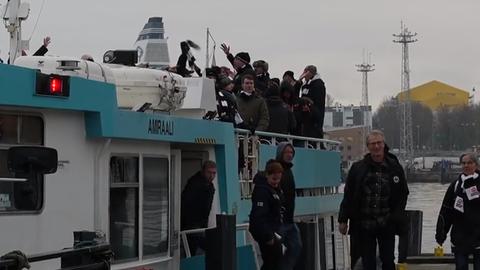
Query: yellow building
[[435, 94]]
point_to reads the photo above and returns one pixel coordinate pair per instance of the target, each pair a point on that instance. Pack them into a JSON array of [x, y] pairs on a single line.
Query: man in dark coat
[[241, 64], [282, 120], [226, 102], [197, 198], [289, 230], [314, 89], [262, 78], [374, 201], [266, 215]]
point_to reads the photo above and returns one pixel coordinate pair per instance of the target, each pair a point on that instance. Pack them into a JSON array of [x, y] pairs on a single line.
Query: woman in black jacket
[[266, 215], [461, 212]]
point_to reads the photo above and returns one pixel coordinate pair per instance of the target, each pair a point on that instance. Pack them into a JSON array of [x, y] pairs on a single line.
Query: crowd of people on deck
[[249, 98]]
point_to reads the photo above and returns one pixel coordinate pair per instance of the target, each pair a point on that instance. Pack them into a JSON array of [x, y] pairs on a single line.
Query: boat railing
[[325, 247], [183, 236], [249, 146]]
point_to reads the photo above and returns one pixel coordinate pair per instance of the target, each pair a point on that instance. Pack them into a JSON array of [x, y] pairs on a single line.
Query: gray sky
[[288, 35]]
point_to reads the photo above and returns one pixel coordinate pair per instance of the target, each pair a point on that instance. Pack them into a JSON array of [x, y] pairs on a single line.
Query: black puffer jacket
[[226, 106], [315, 90], [465, 234], [350, 206], [261, 83], [266, 215], [281, 119], [197, 197]]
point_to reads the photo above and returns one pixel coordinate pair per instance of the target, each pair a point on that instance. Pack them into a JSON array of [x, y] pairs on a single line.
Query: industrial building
[[435, 94]]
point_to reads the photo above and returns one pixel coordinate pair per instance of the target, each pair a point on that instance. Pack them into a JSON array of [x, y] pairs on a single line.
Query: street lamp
[[418, 137]]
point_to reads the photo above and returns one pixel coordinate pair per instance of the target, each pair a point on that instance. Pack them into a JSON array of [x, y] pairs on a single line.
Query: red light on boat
[[55, 85], [52, 85]]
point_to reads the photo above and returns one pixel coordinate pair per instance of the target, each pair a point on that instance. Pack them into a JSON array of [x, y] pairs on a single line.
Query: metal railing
[[248, 145], [184, 233], [331, 248]]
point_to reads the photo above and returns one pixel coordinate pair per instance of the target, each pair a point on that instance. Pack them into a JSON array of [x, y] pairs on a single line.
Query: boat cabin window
[[134, 199], [18, 197]]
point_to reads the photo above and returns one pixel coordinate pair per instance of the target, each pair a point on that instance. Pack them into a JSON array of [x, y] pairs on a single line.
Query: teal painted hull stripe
[[323, 166]]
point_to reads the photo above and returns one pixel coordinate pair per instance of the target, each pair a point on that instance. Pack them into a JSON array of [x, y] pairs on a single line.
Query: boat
[[127, 139]]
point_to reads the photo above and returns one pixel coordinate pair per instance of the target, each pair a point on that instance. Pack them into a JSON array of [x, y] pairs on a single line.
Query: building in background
[[353, 143], [349, 125], [436, 94], [347, 116]]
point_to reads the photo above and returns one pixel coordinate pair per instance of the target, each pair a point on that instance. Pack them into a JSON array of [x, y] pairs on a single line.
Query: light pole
[[418, 137]]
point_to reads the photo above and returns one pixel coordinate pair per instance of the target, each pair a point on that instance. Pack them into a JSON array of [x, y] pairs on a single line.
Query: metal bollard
[[220, 249], [307, 257]]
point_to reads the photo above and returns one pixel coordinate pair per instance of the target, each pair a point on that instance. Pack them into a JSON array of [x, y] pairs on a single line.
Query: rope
[[38, 19]]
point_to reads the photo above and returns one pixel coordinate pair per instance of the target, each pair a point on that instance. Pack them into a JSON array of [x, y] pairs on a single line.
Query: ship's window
[[126, 204], [31, 130], [27, 196], [8, 129], [124, 170], [21, 129], [124, 189], [155, 206]]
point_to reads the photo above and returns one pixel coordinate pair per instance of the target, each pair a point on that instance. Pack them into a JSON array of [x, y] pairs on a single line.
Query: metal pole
[[208, 45]]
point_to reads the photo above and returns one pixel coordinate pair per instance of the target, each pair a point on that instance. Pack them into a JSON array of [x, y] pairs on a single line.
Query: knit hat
[[288, 73], [223, 82], [243, 56], [261, 64]]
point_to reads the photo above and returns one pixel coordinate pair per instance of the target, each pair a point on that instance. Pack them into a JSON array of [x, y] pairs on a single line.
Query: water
[[428, 197]]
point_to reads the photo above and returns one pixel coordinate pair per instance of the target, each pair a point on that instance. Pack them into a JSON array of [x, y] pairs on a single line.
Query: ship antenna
[[207, 62], [15, 12]]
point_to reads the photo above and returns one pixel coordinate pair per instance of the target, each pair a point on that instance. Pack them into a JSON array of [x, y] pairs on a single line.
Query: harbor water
[[428, 197]]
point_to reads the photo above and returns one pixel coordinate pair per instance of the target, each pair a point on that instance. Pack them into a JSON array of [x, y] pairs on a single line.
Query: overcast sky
[[288, 35]]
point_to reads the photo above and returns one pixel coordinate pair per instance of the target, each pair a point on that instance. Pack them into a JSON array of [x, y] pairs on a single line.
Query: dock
[[431, 267], [430, 262]]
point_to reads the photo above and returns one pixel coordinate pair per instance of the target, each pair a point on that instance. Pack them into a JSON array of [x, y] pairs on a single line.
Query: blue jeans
[[461, 260], [292, 241]]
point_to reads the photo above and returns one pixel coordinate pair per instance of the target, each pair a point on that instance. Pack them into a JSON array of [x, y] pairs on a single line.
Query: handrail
[[184, 233], [287, 136], [249, 143]]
